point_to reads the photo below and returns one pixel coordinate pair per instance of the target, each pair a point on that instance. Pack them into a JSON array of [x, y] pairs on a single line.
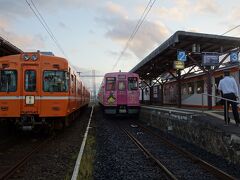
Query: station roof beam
[[162, 57]]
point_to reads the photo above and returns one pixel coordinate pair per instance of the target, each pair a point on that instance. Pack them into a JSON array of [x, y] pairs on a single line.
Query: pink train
[[119, 93]]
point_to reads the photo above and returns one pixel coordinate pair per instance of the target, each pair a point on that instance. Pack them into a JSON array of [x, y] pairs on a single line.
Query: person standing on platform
[[229, 90]]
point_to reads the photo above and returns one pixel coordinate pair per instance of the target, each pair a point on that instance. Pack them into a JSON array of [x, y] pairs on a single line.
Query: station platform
[[215, 117], [204, 128]]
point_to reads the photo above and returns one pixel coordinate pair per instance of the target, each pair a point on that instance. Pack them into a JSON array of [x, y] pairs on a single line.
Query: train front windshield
[[132, 83], [110, 83], [55, 81], [8, 80]]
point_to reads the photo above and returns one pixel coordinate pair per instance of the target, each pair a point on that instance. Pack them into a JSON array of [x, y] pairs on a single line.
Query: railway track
[[151, 143], [7, 168], [148, 154], [212, 169]]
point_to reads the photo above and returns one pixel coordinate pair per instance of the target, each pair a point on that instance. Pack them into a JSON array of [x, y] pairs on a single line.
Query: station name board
[[210, 59], [178, 65]]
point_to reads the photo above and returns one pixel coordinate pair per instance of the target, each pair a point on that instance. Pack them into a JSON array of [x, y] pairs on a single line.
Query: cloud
[[12, 9], [119, 28], [116, 54], [181, 10], [208, 6], [26, 42], [231, 21], [116, 9], [62, 25], [173, 13], [234, 14]]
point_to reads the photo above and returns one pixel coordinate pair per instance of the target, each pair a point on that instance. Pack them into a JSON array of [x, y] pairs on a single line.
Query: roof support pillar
[[209, 89], [143, 90], [209, 72], [142, 95], [161, 83], [179, 84], [151, 91], [161, 94]]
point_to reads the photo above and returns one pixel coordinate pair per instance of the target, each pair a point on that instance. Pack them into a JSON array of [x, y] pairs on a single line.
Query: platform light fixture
[[196, 48]]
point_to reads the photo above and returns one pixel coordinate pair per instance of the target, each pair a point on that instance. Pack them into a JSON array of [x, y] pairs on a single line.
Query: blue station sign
[[181, 56], [234, 56]]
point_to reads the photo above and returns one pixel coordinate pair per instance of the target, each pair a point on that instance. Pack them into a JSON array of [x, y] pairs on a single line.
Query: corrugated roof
[[6, 48], [161, 59]]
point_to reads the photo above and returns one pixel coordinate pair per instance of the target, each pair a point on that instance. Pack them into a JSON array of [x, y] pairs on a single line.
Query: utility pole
[[94, 85], [93, 76]]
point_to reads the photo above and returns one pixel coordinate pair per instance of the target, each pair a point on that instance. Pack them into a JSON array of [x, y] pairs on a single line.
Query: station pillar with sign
[[209, 60], [179, 65]]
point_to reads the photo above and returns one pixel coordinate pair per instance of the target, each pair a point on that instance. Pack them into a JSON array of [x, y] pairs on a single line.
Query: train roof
[[119, 73], [39, 54], [161, 59]]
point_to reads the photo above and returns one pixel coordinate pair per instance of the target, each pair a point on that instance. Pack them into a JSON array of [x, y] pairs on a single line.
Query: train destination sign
[[210, 59], [178, 65]]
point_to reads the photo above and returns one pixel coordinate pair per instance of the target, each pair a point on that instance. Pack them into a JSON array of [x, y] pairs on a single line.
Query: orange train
[[39, 90]]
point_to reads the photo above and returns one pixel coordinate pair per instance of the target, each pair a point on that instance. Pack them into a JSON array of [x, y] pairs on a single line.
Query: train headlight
[[34, 57], [26, 57]]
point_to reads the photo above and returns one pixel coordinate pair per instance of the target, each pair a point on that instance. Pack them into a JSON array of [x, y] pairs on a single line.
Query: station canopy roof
[[162, 58], [6, 48]]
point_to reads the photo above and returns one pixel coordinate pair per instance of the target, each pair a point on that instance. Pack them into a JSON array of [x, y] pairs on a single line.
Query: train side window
[[190, 88], [200, 87], [110, 83], [30, 80], [132, 83], [121, 86], [8, 81], [55, 81]]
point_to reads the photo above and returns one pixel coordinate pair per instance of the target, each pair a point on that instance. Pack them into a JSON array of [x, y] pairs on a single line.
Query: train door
[[30, 90], [133, 91], [122, 93]]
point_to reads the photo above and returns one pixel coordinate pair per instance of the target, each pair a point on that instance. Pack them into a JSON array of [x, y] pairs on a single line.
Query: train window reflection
[[132, 83], [55, 81], [8, 80], [30, 80], [121, 86], [110, 83]]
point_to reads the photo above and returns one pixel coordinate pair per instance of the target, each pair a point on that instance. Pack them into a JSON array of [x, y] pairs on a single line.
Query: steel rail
[[20, 163], [210, 168], [145, 151]]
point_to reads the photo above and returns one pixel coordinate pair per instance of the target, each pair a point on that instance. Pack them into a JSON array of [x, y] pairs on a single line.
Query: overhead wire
[[45, 25], [139, 23], [231, 30]]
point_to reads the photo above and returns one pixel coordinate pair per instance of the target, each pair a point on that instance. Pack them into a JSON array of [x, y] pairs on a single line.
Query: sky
[[93, 33]]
